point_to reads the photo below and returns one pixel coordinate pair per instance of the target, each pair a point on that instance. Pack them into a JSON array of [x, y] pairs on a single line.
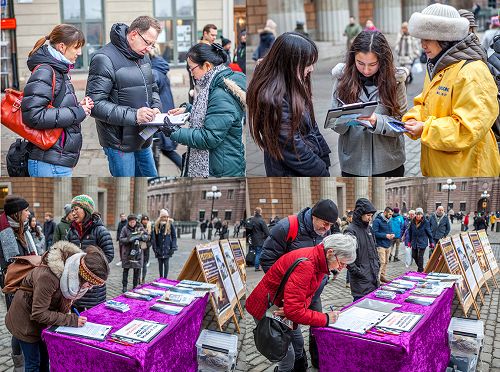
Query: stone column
[[328, 188], [412, 6], [388, 15], [332, 17], [360, 188], [122, 197], [286, 13], [301, 193], [89, 188], [354, 9], [140, 195], [62, 196], [378, 192]]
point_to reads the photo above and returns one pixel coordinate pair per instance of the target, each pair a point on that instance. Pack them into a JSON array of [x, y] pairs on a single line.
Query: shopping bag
[[408, 257]]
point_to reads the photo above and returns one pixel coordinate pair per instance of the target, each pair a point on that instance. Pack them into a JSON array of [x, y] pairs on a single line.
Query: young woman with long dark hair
[[280, 110], [369, 74]]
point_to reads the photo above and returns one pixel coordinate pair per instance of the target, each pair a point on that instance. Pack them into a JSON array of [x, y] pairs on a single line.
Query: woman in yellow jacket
[[458, 105]]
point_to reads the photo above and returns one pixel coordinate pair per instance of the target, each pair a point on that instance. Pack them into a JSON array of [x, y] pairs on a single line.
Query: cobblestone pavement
[[114, 287], [337, 295]]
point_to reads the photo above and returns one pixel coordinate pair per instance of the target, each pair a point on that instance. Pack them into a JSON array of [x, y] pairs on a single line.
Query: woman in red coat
[[334, 253]]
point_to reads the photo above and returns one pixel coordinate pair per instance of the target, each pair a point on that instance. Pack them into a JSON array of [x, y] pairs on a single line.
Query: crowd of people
[[454, 116], [363, 241], [127, 87]]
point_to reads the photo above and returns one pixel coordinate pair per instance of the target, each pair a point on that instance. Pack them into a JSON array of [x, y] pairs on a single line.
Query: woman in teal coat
[[214, 136]]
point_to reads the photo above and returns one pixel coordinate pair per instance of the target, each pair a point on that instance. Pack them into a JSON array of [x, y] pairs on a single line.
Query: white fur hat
[[438, 22]]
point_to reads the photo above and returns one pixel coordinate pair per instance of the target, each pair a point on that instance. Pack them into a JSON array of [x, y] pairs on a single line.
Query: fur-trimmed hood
[[58, 254], [234, 83]]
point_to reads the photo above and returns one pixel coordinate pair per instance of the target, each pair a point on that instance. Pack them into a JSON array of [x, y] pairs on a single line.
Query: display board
[[204, 265], [483, 261], [471, 253], [239, 257], [239, 284], [492, 261]]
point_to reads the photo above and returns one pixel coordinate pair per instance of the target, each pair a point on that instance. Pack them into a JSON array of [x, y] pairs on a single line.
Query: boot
[[124, 289], [300, 364], [396, 259], [390, 258], [18, 362]]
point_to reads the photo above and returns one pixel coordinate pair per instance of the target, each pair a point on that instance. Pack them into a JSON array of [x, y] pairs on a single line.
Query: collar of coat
[[58, 254], [236, 91]]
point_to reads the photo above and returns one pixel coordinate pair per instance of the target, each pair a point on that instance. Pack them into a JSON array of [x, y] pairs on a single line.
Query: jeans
[[163, 266], [258, 253], [38, 168], [129, 164], [36, 357], [395, 243], [137, 273], [174, 157]]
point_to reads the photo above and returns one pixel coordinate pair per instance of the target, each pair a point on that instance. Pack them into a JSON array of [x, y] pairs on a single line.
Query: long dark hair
[[213, 53], [280, 74], [19, 232], [350, 84], [36, 230]]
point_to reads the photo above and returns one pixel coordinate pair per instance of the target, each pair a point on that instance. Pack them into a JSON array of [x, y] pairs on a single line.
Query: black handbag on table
[[271, 336]]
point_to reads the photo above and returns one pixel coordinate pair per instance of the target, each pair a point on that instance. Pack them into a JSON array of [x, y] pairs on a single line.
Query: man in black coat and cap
[[364, 271]]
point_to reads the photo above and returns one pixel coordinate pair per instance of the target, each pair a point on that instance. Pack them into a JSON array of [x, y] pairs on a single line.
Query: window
[[440, 187], [178, 28], [227, 215], [215, 213], [450, 205], [230, 194], [203, 195], [86, 15], [4, 191], [438, 205], [464, 186], [201, 215], [463, 206]]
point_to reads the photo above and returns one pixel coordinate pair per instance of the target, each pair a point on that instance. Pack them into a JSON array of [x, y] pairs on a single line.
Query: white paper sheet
[[89, 330], [174, 119], [140, 330], [400, 321], [358, 319]]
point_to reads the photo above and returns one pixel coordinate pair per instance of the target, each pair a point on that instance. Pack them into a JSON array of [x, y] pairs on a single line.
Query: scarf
[[70, 281], [58, 55], [30, 244], [198, 159]]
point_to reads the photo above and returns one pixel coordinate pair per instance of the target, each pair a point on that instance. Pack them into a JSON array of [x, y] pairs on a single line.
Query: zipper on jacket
[[145, 84]]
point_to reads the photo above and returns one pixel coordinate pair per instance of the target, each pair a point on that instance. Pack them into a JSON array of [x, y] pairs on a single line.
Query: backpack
[[17, 158], [18, 270], [249, 225], [293, 230]]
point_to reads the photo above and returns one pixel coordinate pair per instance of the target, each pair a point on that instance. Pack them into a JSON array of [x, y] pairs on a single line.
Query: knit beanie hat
[[85, 202], [14, 204], [326, 210], [396, 210], [438, 22], [67, 209], [419, 210], [163, 213], [225, 41], [131, 217]]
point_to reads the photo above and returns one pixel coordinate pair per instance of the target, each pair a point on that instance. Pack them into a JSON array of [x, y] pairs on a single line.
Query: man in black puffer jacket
[[87, 229], [125, 95]]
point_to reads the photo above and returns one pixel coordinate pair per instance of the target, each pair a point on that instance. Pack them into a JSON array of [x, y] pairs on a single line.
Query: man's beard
[[320, 233]]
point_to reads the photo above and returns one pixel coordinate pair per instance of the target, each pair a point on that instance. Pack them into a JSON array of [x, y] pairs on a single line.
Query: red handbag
[[12, 118]]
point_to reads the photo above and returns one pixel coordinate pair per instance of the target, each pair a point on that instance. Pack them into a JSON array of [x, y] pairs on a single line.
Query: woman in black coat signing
[[164, 241]]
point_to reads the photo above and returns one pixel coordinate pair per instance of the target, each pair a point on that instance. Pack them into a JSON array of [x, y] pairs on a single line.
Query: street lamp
[[214, 194], [450, 185]]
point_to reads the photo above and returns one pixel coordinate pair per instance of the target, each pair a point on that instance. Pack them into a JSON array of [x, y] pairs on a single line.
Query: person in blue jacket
[[420, 238], [398, 227], [383, 235]]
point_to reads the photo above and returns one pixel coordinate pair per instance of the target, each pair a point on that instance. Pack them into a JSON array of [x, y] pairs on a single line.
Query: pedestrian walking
[[62, 227], [420, 236], [383, 235], [258, 235], [145, 246], [407, 50], [280, 110], [49, 227], [240, 56], [48, 63], [352, 30], [267, 38], [454, 114], [131, 237], [203, 229], [397, 226], [440, 226], [164, 241]]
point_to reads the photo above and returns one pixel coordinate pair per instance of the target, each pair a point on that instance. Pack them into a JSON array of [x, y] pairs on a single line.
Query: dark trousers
[[163, 266], [418, 256], [398, 172], [145, 260], [355, 298], [137, 273], [316, 306], [36, 357]]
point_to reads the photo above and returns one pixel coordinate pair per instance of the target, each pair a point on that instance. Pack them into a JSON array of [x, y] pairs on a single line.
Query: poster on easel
[[474, 260], [467, 267], [239, 257], [239, 285], [478, 247], [202, 266], [488, 251]]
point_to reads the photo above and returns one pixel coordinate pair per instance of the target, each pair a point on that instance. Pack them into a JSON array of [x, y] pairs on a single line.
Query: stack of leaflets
[[385, 294], [117, 305], [137, 296], [167, 309], [444, 277], [394, 288], [197, 286], [431, 292], [180, 299], [403, 283], [413, 278], [150, 292], [426, 301], [162, 285]]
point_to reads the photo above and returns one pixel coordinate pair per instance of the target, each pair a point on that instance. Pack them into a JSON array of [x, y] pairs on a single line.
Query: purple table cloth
[[424, 349], [172, 350]]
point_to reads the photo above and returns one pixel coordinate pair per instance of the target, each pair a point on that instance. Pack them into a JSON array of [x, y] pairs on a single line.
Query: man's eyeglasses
[[149, 44]]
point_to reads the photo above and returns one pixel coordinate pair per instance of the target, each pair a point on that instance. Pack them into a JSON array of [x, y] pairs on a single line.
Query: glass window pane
[[71, 10], [184, 34], [93, 9], [94, 35], [184, 8], [166, 42], [163, 8]]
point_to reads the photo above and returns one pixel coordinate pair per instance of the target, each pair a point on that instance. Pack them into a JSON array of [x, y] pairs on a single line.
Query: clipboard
[[165, 119], [96, 331], [354, 110]]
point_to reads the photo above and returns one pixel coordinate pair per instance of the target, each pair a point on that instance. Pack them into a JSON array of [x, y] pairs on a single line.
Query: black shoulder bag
[[271, 336]]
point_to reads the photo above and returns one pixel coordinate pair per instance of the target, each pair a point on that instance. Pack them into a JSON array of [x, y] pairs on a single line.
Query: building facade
[[325, 20], [112, 196], [182, 23], [186, 199], [282, 196], [428, 193]]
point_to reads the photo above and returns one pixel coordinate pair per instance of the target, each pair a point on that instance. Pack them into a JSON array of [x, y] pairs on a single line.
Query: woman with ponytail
[[57, 57], [214, 136]]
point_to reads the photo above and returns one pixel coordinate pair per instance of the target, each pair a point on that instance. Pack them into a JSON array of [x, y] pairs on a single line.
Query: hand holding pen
[[81, 319], [333, 315]]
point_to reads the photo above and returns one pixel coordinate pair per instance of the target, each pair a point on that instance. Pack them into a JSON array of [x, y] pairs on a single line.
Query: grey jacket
[[366, 152]]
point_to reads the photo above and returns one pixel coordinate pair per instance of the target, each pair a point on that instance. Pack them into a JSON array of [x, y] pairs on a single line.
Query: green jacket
[[222, 131], [61, 230]]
